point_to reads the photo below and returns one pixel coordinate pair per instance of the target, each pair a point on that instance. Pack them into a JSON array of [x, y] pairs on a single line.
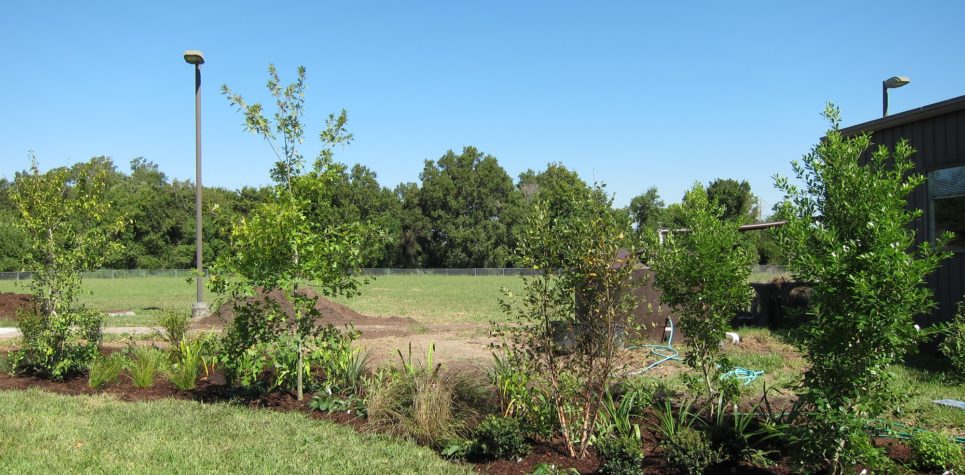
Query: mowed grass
[[435, 298], [425, 298], [48, 433]]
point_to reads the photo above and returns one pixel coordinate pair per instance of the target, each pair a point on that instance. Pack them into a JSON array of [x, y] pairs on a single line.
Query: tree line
[[465, 212]]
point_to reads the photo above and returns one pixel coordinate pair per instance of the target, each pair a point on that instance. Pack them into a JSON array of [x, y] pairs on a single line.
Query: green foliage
[[286, 242], [470, 205], [690, 451], [105, 369], [583, 251], [501, 438], [701, 273], [58, 345], [192, 355], [173, 329], [417, 401], [344, 367], [68, 225], [615, 418], [646, 211], [620, 456], [849, 234], [953, 346], [934, 452], [144, 364], [736, 200]]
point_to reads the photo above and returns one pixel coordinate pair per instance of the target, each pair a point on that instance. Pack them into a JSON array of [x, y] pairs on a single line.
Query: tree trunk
[[300, 366]]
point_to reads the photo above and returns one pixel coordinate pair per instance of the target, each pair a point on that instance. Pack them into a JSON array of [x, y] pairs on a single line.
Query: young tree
[[581, 288], [280, 247], [702, 273], [848, 234], [69, 227]]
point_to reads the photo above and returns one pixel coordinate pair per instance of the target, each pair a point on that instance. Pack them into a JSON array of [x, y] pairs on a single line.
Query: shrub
[[690, 451], [501, 438], [702, 275], [586, 260], [931, 451], [953, 347], [173, 329], [620, 456], [66, 220], [105, 369], [57, 345], [867, 276], [418, 401], [143, 365]]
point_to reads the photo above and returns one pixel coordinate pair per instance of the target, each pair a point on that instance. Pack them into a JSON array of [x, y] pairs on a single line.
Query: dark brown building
[[937, 132]]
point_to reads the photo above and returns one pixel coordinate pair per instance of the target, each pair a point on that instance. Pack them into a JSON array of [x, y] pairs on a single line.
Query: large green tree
[[646, 210], [736, 199], [468, 202]]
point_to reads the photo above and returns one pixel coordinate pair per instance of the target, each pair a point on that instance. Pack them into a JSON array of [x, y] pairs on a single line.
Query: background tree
[[69, 226], [849, 234], [702, 274], [736, 199], [281, 246], [465, 199], [12, 245], [646, 211]]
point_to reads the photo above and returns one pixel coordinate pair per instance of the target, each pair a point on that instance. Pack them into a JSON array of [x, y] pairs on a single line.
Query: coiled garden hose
[[665, 352]]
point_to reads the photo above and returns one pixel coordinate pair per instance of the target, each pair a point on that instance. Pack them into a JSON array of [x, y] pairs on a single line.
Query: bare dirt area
[[11, 302], [461, 346]]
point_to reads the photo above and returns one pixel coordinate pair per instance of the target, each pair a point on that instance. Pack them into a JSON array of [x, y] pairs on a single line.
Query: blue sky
[[633, 94]]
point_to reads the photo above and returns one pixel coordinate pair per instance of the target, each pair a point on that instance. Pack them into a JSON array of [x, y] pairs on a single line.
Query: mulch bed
[[214, 390]]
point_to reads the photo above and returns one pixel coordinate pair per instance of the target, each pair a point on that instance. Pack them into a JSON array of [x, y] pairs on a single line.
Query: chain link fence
[[475, 272]]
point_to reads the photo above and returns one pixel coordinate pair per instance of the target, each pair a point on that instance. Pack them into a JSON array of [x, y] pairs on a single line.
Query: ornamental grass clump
[[144, 364], [105, 370]]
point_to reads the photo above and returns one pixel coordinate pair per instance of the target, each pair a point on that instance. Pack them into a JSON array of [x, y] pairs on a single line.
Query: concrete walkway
[[12, 332]]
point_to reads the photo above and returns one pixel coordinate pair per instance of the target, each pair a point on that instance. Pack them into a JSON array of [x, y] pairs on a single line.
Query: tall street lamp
[[890, 83], [199, 309]]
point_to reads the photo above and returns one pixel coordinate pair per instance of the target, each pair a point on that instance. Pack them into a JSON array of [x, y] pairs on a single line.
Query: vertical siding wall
[[940, 143]]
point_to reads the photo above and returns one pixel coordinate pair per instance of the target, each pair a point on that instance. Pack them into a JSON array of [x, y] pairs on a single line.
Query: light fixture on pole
[[890, 83], [199, 309]]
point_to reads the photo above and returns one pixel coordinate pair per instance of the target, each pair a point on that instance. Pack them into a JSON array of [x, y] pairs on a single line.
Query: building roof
[[931, 110]]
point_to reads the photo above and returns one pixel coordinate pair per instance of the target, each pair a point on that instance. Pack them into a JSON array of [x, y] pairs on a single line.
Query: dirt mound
[[11, 302], [333, 313]]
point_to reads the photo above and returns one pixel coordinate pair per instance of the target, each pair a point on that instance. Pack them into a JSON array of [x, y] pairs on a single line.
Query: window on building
[[946, 190]]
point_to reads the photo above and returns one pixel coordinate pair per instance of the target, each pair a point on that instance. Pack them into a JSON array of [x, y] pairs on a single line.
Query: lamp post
[[199, 309], [890, 83]]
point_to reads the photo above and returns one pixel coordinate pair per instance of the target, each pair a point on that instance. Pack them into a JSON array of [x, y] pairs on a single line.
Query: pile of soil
[[333, 313], [10, 303]]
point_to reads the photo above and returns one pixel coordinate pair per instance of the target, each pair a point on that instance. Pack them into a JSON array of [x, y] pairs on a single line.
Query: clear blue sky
[[633, 94]]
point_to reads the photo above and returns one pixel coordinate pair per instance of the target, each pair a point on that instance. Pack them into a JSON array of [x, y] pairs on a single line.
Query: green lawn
[[47, 433], [426, 298], [435, 298]]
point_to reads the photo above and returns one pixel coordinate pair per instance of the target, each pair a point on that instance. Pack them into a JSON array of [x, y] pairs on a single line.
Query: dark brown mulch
[[10, 303], [333, 313]]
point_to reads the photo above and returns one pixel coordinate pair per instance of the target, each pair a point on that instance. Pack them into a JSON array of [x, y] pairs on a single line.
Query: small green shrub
[[953, 347], [620, 455], [501, 438], [615, 417], [58, 345], [185, 371], [105, 369], [173, 329], [931, 451], [690, 451], [143, 365]]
